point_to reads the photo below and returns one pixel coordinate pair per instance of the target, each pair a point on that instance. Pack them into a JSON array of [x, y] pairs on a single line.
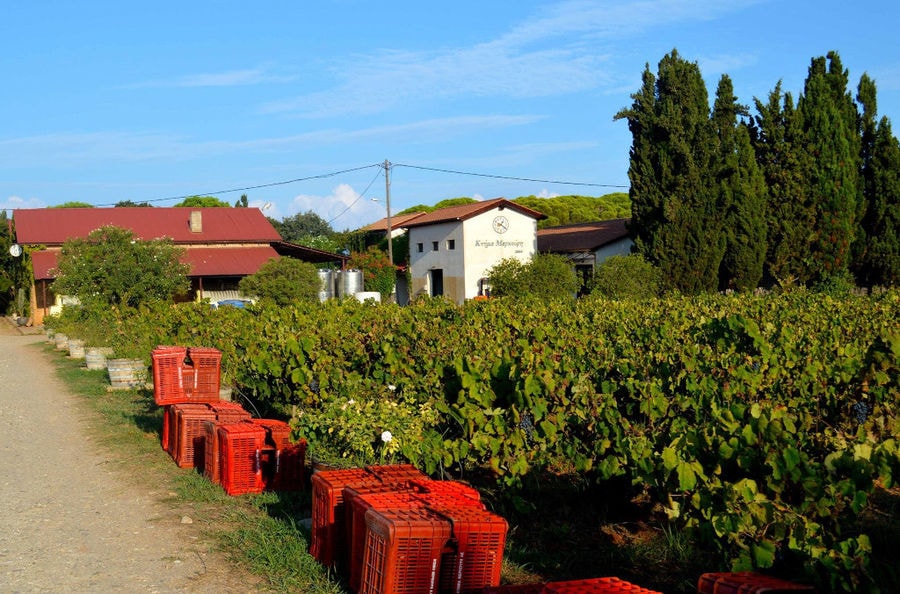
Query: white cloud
[[16, 202], [229, 78], [515, 65], [343, 209]]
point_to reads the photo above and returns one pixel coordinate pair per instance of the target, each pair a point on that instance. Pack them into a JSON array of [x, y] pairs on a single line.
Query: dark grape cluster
[[314, 386], [860, 411], [527, 426]]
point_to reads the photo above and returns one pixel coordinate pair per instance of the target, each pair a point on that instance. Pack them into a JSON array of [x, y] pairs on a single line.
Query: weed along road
[[70, 521]]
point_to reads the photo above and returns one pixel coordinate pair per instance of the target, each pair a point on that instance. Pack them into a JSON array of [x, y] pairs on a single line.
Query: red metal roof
[[581, 237], [227, 261], [42, 263], [53, 226], [212, 261], [467, 211]]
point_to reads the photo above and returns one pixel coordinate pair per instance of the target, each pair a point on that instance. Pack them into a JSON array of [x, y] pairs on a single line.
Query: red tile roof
[[211, 261], [397, 221], [581, 237], [53, 226], [467, 211]]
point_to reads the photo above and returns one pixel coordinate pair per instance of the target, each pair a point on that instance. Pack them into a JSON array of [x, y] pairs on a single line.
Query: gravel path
[[71, 524]]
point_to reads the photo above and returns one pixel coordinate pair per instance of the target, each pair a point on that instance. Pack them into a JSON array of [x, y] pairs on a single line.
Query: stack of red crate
[[182, 374], [747, 582], [403, 551]]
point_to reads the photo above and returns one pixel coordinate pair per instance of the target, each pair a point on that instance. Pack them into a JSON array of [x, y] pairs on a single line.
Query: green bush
[[545, 276], [626, 277], [284, 281]]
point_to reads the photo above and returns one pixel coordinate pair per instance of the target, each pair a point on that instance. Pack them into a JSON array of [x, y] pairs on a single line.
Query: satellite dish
[[15, 250]]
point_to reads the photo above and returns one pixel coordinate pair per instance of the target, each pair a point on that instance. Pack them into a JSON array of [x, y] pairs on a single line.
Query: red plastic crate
[[168, 374], [357, 501], [211, 457], [451, 488], [169, 437], [397, 473], [241, 448], [403, 551], [278, 433], [747, 582], [190, 435], [328, 540], [229, 412], [476, 549], [288, 472], [207, 367], [604, 585]]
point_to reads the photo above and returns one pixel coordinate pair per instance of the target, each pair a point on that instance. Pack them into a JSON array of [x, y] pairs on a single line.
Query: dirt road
[[69, 522]]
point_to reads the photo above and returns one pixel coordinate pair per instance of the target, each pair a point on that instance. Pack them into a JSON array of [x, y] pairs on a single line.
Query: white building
[[451, 249]]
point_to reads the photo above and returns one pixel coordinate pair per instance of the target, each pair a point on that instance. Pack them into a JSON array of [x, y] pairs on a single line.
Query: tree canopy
[[111, 267], [203, 202]]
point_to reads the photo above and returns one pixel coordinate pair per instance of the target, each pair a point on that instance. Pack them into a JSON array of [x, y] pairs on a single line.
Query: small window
[[451, 244], [420, 247], [434, 245]]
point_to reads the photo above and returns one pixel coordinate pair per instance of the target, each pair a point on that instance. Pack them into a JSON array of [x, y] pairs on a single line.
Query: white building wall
[[477, 245], [617, 248]]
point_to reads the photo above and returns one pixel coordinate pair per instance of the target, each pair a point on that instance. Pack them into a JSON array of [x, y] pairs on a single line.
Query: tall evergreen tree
[[675, 220], [777, 139], [831, 135], [741, 194], [877, 246], [879, 262]]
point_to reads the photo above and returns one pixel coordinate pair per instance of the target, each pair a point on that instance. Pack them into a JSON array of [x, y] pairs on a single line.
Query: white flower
[[392, 387], [386, 436]]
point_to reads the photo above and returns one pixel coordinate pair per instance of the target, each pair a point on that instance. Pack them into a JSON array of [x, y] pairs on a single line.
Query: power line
[[256, 187], [358, 198], [379, 165], [543, 181]]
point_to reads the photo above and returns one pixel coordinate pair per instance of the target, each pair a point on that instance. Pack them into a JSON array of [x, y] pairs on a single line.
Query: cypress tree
[[741, 194], [877, 249], [831, 136], [675, 220], [778, 142]]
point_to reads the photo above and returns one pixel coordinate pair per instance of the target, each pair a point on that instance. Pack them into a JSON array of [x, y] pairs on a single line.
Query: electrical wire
[[528, 179], [380, 166], [267, 185], [358, 198]]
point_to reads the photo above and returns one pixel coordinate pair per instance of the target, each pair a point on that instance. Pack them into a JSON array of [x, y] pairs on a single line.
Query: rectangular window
[[420, 247], [434, 245], [451, 244]]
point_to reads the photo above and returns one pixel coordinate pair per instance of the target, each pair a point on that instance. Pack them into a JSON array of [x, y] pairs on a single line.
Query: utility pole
[[387, 200]]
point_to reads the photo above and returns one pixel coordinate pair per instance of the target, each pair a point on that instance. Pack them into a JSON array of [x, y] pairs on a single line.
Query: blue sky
[[108, 101]]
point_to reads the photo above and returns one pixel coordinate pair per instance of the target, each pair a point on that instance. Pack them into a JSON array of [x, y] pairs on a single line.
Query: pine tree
[[675, 220], [831, 136], [742, 194], [777, 139]]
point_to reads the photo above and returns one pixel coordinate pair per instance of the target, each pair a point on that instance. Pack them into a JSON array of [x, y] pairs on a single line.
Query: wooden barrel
[[94, 358], [126, 373], [76, 348], [62, 341]]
